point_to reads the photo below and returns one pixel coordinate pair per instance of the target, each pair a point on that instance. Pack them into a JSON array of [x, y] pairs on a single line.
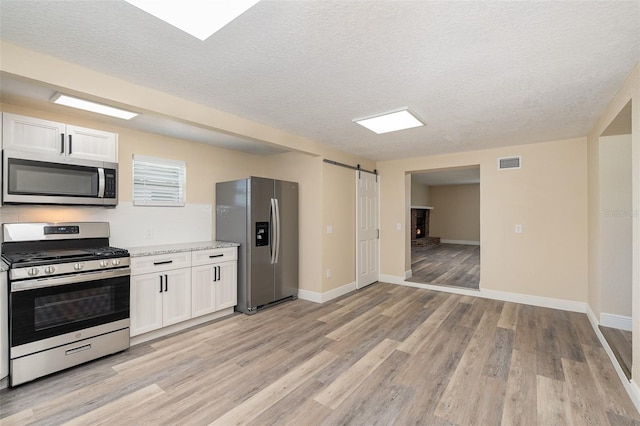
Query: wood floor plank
[[497, 366], [553, 404], [254, 406], [509, 316], [520, 403], [586, 404], [120, 411], [341, 388], [466, 377], [421, 334]]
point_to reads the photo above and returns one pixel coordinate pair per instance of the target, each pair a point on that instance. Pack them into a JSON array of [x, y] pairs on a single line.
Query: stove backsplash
[[131, 226]]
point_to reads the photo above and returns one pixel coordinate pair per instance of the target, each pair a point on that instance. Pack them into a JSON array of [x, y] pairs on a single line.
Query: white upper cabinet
[[32, 134], [58, 139], [92, 144]]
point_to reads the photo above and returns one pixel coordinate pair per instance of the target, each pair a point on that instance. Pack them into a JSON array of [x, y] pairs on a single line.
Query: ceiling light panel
[[72, 102], [200, 18], [390, 122]]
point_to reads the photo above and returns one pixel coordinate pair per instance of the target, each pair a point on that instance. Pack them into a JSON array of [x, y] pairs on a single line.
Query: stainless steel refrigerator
[[262, 216]]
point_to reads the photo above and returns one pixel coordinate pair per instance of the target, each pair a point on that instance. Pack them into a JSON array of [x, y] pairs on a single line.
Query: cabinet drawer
[[204, 257], [160, 262]]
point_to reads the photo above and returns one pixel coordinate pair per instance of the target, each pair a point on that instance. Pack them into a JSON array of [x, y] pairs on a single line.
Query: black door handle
[[166, 283], [61, 143], [160, 283], [70, 145]]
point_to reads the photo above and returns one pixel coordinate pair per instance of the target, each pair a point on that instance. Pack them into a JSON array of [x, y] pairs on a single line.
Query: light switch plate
[[518, 229]]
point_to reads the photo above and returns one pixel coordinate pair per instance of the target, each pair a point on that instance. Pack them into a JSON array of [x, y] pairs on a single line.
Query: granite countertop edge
[[178, 248]]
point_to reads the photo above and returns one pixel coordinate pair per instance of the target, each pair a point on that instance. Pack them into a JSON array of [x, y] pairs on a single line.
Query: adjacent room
[[445, 227], [275, 212]]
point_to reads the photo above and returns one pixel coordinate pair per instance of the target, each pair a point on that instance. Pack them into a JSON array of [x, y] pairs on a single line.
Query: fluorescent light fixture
[[390, 122], [200, 18], [72, 102]]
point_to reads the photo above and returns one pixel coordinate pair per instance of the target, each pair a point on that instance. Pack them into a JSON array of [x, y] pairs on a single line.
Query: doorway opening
[[616, 236], [445, 227]]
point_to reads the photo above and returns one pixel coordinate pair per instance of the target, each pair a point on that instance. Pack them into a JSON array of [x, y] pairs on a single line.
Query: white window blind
[[158, 181]]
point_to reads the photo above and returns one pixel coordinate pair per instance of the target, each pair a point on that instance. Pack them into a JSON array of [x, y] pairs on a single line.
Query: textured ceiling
[[481, 74]]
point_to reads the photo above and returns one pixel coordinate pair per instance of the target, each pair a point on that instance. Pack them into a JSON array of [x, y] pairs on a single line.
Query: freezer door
[[261, 283], [286, 267]]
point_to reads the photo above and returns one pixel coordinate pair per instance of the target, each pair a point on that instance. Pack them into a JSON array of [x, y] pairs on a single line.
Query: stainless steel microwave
[[31, 178]]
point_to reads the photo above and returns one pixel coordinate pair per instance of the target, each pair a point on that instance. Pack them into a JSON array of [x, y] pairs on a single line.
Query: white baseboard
[[408, 274], [467, 243], [545, 302], [141, 338], [316, 297], [620, 322], [630, 386]]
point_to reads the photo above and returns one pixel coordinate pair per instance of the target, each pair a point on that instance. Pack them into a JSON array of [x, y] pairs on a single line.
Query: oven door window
[[28, 177], [47, 312]]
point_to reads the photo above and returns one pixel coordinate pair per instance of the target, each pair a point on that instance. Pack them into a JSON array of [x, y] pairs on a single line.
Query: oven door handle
[[69, 279]]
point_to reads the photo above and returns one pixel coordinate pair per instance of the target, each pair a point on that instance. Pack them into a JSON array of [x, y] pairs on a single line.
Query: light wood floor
[[446, 264], [386, 354]]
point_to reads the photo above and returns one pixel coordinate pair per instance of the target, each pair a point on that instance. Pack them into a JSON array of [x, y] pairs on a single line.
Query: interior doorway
[[616, 236], [445, 227]]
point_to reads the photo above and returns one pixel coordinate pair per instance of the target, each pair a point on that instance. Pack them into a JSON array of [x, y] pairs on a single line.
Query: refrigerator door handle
[[277, 230], [272, 225]]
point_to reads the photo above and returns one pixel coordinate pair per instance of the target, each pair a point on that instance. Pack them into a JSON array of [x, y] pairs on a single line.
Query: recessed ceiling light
[[72, 102], [200, 18], [390, 122]]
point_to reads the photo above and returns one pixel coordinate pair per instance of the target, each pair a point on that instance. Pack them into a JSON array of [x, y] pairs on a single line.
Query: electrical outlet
[[398, 227], [329, 229], [149, 233], [518, 229], [328, 273]]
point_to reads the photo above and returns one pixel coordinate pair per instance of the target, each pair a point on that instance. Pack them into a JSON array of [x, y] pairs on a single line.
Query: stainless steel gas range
[[68, 296]]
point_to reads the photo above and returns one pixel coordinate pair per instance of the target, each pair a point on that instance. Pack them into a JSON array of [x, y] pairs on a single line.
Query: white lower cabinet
[[201, 282], [213, 288], [160, 299]]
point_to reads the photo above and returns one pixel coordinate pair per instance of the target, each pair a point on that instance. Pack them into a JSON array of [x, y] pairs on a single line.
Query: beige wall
[[419, 194], [456, 212], [548, 197], [630, 91], [616, 224], [339, 248]]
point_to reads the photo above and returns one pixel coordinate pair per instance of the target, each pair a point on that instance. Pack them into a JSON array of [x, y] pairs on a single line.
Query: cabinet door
[[146, 303], [226, 286], [92, 144], [203, 290], [32, 134], [176, 303]]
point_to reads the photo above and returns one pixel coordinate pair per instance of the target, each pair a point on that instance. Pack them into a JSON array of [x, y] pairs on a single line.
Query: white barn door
[[367, 232]]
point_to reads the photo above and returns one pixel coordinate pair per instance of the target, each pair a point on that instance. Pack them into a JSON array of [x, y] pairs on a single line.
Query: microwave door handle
[[101, 182]]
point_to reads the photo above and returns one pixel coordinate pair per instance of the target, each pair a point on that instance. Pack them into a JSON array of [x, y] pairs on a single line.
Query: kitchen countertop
[[178, 248]]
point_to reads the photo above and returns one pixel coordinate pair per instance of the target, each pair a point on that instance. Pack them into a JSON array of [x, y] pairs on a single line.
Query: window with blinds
[[158, 181]]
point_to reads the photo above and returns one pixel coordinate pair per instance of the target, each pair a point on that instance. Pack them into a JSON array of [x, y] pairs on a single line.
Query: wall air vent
[[506, 163]]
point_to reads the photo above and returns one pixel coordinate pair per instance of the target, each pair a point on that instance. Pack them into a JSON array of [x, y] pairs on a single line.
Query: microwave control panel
[[109, 183]]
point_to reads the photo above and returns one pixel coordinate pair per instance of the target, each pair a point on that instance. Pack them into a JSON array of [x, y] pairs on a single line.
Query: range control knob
[[104, 263], [115, 262], [78, 266], [49, 269], [33, 271]]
